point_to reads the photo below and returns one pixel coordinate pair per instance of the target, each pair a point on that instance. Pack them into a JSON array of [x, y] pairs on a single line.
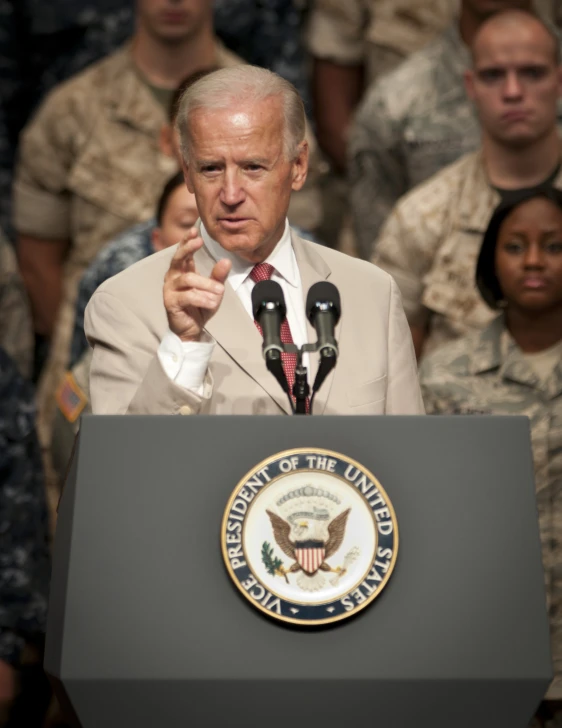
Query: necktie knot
[[262, 272]]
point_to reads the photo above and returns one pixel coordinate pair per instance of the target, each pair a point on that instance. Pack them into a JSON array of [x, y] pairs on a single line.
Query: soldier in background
[[430, 242], [514, 367], [16, 332], [45, 43], [24, 547], [268, 34], [354, 42], [351, 44], [415, 121], [91, 166], [175, 215]]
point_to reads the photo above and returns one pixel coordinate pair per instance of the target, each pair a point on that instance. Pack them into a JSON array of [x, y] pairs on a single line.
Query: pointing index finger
[[183, 257]]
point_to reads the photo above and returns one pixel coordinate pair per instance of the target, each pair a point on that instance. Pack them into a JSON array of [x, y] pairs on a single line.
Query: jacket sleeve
[[126, 376], [403, 396]]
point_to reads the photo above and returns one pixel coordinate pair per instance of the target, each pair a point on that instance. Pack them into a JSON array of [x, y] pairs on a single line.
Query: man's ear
[[187, 176], [157, 242], [468, 77], [165, 141], [300, 166]]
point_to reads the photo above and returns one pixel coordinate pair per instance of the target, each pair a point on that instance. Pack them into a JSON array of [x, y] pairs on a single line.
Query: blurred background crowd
[[434, 127]]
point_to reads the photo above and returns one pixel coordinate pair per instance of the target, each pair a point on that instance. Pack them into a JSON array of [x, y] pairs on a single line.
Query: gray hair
[[228, 86]]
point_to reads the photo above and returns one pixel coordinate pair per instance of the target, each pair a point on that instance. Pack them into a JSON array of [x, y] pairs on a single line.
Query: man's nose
[[512, 87], [232, 191]]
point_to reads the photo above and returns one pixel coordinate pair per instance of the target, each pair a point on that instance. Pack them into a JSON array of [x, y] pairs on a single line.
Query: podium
[[147, 629]]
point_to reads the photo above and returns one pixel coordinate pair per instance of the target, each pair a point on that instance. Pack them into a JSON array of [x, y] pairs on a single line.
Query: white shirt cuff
[[186, 362]]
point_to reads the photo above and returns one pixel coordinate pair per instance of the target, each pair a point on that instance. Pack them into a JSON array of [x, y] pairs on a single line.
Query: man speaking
[[175, 333]]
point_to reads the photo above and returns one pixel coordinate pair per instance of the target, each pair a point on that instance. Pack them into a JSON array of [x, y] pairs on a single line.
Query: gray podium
[[146, 628]]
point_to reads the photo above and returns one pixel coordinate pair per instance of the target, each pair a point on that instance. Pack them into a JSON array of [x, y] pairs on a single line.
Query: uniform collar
[[477, 198], [496, 349], [282, 259], [133, 101]]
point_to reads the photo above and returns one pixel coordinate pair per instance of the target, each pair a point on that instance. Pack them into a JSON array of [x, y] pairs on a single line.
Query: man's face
[[174, 21], [515, 83], [241, 177]]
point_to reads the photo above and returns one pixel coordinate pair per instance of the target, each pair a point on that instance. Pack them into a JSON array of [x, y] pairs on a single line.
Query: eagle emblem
[[309, 536]]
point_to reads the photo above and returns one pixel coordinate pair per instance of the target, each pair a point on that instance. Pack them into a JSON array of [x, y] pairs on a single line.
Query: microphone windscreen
[[267, 292], [320, 295]]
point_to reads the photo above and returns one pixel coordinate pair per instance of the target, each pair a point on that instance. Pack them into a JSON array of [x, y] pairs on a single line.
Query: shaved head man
[[431, 241], [515, 84]]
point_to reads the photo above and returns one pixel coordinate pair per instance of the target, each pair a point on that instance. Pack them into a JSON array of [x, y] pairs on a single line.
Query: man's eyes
[[531, 73], [490, 75]]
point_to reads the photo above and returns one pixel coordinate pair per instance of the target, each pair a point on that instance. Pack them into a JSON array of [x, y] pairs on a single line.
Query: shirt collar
[[282, 259]]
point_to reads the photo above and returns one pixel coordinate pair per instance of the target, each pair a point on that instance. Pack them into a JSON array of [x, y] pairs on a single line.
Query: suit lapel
[[313, 268], [236, 333]]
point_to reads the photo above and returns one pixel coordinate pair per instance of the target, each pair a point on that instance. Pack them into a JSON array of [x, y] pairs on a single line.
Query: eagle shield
[[310, 555]]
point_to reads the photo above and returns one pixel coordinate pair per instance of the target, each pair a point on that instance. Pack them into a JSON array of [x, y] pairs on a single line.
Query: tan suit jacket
[[376, 371]]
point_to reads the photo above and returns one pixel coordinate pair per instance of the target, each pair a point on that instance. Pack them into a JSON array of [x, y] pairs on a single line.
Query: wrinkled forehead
[[520, 47], [237, 126], [238, 116]]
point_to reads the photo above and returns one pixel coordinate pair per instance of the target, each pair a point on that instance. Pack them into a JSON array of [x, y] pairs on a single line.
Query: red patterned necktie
[[263, 272]]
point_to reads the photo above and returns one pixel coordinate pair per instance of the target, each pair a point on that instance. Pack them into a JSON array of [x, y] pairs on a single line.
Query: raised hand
[[191, 299]]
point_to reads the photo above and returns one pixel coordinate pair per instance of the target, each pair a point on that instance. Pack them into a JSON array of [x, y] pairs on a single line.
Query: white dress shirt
[[186, 362]]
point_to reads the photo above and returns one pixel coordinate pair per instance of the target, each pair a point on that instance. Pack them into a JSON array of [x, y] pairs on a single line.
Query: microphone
[[268, 305], [323, 309]]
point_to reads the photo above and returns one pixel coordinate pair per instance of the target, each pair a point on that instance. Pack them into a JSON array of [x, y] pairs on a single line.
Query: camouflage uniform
[[486, 373], [410, 124], [378, 33], [268, 34], [128, 248], [60, 39], [89, 167], [430, 246], [24, 550], [63, 37], [16, 330]]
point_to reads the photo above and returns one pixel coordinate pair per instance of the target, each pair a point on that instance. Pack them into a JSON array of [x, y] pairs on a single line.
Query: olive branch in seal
[[272, 563]]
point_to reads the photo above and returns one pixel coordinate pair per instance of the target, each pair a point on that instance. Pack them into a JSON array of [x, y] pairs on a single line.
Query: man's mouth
[[233, 221]]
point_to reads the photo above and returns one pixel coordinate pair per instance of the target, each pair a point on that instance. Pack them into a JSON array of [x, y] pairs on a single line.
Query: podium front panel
[[144, 614]]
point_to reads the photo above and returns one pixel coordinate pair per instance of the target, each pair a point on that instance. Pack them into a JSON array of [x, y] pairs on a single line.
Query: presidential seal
[[309, 537]]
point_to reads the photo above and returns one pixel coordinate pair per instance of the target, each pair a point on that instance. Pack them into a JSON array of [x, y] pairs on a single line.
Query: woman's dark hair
[[172, 184], [486, 278]]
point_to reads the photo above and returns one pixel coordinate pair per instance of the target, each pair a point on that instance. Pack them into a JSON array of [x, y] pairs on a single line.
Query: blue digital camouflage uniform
[[128, 248], [24, 548], [44, 43], [266, 33]]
